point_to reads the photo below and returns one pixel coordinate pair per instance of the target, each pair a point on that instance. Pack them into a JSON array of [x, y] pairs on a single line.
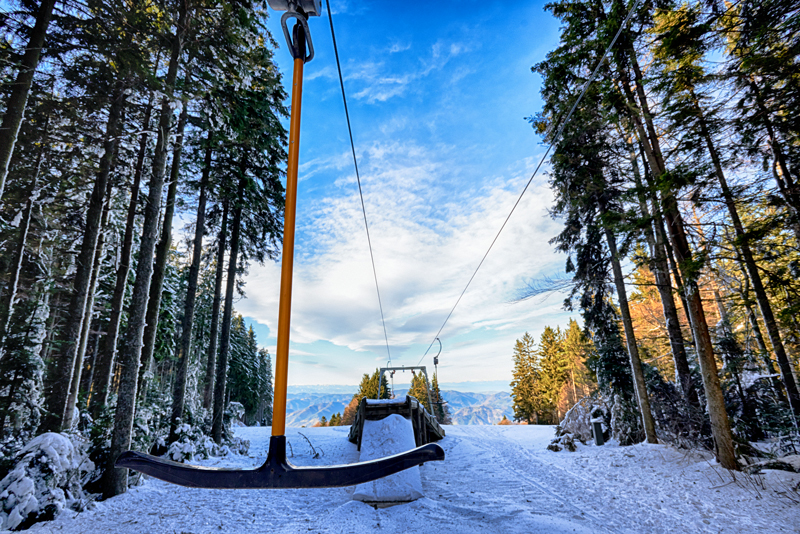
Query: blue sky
[[437, 94]]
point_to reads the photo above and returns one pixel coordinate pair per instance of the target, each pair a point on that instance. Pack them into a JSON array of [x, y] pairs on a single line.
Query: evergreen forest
[[142, 153], [676, 181], [118, 118]]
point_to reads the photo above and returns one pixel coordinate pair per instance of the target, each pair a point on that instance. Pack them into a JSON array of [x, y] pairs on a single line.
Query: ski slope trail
[[495, 479]]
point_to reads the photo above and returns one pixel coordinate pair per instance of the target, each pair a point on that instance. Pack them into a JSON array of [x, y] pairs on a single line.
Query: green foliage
[[249, 374], [420, 388], [369, 387], [546, 380], [440, 409], [523, 384], [21, 369]]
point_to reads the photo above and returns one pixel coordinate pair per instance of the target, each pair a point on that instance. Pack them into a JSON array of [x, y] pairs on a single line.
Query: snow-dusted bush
[[577, 423], [677, 422], [236, 445], [578, 420], [47, 478], [191, 443], [234, 413], [626, 424], [21, 372]]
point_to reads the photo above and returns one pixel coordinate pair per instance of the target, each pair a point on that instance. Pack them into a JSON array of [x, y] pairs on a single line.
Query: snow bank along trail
[[496, 479]]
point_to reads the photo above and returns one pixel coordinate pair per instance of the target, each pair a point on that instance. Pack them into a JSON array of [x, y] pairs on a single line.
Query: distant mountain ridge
[[308, 404]]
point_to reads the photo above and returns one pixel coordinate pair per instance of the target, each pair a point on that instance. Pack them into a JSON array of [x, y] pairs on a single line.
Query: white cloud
[[381, 81], [428, 239], [399, 47], [328, 71]]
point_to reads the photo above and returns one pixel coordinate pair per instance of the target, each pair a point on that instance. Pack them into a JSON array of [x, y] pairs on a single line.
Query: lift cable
[[558, 134], [358, 178]]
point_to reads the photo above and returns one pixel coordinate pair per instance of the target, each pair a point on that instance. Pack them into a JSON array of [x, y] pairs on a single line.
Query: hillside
[[305, 406]]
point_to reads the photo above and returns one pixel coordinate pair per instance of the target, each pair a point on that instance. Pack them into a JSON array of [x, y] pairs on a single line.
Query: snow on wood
[[391, 435], [398, 400]]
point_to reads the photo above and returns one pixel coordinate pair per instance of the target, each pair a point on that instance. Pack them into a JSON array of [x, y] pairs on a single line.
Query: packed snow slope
[[496, 479]]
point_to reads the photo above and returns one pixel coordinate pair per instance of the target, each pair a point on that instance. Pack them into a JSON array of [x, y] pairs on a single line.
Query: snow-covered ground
[[496, 479]]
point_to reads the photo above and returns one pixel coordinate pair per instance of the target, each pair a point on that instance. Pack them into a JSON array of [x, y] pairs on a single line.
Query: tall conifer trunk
[[715, 400], [769, 365], [179, 390], [74, 389], [60, 376], [660, 269], [104, 362], [752, 269], [225, 337], [783, 177], [630, 339], [115, 481], [162, 251], [10, 293], [211, 360], [15, 108]]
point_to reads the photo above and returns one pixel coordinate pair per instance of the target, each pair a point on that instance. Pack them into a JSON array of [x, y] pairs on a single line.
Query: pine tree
[[265, 388], [15, 107], [440, 409], [577, 350], [552, 375], [682, 42], [369, 387], [524, 387], [421, 390]]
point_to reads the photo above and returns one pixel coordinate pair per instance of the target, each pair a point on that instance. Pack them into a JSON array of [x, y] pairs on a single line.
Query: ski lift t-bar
[[277, 472]]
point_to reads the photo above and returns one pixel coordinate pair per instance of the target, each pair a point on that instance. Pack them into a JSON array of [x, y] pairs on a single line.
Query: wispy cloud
[[381, 81], [427, 241], [399, 47]]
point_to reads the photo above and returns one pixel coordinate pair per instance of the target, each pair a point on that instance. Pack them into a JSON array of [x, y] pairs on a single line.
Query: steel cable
[[558, 134], [358, 178]]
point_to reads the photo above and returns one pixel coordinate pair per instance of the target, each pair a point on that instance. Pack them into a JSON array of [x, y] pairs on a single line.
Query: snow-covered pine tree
[[265, 391]]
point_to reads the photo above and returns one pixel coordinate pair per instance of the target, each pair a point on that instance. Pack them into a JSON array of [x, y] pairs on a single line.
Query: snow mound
[[391, 435], [45, 481]]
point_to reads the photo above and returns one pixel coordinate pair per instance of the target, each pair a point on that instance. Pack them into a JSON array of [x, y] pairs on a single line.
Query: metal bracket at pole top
[[301, 36]]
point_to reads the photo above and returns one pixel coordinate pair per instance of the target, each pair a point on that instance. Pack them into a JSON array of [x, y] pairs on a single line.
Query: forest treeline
[[549, 379], [122, 120], [376, 386], [676, 180]]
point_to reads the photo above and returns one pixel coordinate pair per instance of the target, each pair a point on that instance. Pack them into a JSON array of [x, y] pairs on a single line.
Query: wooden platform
[[426, 427]]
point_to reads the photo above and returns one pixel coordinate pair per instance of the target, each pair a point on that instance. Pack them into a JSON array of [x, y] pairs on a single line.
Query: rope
[[558, 134], [358, 179]]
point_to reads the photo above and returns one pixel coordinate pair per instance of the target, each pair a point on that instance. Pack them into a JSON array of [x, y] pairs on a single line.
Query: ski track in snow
[[495, 479]]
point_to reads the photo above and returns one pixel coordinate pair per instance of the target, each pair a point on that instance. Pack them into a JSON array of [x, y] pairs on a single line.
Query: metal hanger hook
[[297, 46]]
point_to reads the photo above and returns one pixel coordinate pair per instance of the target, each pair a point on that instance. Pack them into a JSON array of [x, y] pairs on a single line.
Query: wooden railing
[[426, 427]]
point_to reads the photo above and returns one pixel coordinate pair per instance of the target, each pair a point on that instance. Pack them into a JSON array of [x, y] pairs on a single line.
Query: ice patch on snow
[[391, 435]]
